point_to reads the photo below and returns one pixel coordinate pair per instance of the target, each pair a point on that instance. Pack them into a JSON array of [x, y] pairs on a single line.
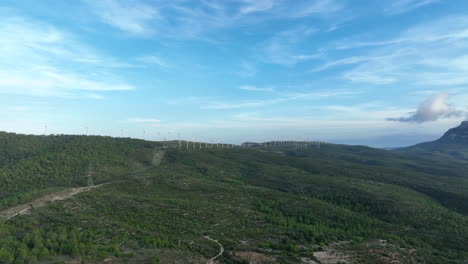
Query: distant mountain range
[[454, 144]]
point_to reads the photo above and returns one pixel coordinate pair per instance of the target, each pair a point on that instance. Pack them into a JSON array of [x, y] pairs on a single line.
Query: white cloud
[[432, 109], [132, 16], [255, 88], [431, 54], [153, 60], [376, 72], [247, 70], [282, 97], [283, 47], [252, 6], [311, 7], [448, 29], [401, 6], [346, 61], [189, 19], [40, 60]]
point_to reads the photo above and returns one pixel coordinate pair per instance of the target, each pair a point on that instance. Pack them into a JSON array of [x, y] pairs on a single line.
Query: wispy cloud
[[395, 7], [247, 70], [309, 7], [189, 19], [252, 6], [281, 98], [433, 108], [369, 111], [346, 61], [153, 60], [431, 54], [283, 8], [38, 59], [256, 89], [447, 29], [131, 16], [283, 48]]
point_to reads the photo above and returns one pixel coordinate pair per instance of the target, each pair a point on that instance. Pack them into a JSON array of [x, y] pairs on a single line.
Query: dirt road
[[9, 213], [43, 201], [221, 250]]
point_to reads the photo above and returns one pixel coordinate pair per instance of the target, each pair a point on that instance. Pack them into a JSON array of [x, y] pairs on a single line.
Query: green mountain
[[453, 144], [89, 199]]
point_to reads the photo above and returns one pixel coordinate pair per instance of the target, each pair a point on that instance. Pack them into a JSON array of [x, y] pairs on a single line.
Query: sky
[[380, 73]]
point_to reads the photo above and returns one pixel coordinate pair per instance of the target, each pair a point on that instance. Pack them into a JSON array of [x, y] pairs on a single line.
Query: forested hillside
[[275, 204], [30, 164]]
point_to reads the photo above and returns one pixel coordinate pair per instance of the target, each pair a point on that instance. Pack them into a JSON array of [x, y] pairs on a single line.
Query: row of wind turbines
[[197, 143]]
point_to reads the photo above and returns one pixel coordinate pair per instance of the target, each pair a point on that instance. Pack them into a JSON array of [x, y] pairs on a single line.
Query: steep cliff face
[[456, 135]]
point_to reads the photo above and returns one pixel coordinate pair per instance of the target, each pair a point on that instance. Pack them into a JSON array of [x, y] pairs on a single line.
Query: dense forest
[[276, 204], [30, 164]]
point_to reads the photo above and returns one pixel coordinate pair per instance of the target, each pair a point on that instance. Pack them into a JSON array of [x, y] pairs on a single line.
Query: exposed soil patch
[[385, 252], [253, 257], [43, 201], [333, 255], [157, 158]]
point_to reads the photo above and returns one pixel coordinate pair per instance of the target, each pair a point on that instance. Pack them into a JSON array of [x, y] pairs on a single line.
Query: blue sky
[[381, 73]]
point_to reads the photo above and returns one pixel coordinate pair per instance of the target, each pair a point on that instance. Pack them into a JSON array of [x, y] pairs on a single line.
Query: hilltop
[[453, 144], [151, 202]]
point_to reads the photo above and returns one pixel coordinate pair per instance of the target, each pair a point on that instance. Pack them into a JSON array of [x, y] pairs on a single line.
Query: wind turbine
[[178, 138]]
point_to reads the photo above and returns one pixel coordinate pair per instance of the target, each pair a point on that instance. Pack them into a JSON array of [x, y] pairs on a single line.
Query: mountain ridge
[[452, 144], [457, 134]]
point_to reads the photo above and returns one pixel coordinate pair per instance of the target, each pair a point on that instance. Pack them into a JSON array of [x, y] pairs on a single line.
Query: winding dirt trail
[[44, 200], [221, 250], [22, 209]]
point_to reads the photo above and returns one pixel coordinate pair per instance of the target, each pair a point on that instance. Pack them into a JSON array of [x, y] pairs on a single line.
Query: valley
[[161, 204]]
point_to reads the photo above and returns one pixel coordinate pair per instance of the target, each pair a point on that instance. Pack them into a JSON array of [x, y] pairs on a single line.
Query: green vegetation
[[37, 163], [282, 203]]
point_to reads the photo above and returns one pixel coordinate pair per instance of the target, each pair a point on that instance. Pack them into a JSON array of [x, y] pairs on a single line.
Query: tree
[[5, 256], [155, 260]]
